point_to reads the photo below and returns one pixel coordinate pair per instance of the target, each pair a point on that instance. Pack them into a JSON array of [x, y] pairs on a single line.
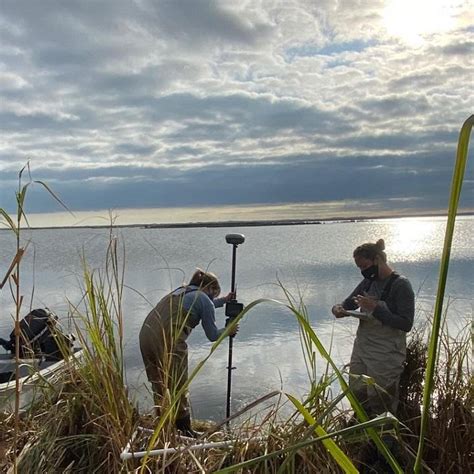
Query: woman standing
[[163, 339], [387, 304]]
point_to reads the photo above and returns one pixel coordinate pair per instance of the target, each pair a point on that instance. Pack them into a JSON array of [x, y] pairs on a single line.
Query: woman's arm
[[349, 302], [219, 302], [208, 319], [339, 310], [402, 298]]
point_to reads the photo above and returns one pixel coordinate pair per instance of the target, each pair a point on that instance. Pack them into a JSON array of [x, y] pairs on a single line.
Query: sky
[[185, 110]]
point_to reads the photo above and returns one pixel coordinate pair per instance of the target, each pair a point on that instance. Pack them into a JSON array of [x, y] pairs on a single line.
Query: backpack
[[40, 336]]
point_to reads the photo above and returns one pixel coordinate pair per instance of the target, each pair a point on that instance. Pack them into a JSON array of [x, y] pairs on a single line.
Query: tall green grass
[[456, 186], [331, 453], [12, 276], [83, 424]]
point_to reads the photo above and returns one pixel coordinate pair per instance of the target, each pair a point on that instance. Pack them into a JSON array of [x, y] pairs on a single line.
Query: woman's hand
[[339, 311], [234, 330], [230, 296], [366, 303]]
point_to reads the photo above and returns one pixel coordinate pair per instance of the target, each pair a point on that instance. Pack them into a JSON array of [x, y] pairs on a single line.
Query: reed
[[275, 446], [12, 276], [456, 186], [85, 425], [450, 422]]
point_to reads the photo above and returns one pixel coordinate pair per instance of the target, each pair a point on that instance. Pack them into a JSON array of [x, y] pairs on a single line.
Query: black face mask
[[371, 273]]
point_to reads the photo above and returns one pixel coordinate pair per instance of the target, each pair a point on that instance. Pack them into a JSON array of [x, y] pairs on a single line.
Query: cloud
[[420, 181], [189, 102], [200, 22]]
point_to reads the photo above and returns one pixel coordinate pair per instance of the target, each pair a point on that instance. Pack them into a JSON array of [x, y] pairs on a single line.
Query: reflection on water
[[313, 260], [412, 239]]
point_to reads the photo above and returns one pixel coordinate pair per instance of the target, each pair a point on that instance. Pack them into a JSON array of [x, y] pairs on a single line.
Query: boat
[[35, 374], [44, 354]]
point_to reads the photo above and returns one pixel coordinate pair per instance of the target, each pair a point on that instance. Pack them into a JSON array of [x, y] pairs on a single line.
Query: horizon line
[[255, 222]]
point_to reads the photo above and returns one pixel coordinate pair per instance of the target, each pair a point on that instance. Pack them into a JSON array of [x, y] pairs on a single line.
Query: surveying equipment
[[232, 309]]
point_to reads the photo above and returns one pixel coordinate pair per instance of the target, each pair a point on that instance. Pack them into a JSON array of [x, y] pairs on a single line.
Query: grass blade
[[456, 185], [376, 422], [357, 407], [9, 220], [53, 195], [333, 449]]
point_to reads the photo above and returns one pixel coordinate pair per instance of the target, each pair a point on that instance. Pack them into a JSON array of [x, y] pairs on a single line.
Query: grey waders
[[380, 347]]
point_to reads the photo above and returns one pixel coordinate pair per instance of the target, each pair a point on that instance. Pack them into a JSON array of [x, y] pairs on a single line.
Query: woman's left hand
[[366, 303]]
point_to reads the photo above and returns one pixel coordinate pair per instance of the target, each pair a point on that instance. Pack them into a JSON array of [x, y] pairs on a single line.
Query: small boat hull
[[35, 375]]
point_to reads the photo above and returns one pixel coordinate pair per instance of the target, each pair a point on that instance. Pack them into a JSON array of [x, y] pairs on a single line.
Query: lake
[[312, 260]]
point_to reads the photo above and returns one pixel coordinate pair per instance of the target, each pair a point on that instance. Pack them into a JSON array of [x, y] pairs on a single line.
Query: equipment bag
[[40, 336]]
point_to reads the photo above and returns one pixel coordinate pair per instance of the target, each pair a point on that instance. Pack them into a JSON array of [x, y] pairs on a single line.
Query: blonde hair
[[371, 251], [205, 281]]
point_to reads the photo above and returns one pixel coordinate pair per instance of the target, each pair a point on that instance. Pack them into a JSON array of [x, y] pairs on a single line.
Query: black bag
[[40, 336]]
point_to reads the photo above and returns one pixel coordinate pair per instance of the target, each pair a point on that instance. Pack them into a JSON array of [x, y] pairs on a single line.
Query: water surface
[[312, 260]]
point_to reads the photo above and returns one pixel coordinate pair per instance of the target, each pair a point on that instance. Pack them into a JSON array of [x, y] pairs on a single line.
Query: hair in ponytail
[[205, 281], [371, 251]]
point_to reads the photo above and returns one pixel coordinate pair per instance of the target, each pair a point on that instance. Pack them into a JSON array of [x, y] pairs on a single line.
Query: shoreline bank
[[251, 223]]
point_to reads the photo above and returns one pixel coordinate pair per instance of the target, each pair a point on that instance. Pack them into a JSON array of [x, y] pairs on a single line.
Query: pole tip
[[235, 239]]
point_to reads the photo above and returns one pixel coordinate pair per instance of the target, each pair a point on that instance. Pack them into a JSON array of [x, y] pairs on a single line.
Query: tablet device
[[360, 315]]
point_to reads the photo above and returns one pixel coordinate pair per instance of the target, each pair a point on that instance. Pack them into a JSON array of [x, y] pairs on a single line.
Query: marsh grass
[[81, 426], [433, 345], [13, 277], [450, 421]]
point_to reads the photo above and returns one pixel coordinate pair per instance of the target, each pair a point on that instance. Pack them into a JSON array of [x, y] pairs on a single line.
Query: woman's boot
[[184, 425]]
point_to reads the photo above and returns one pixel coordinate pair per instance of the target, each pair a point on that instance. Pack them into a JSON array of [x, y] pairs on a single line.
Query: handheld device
[[233, 308]]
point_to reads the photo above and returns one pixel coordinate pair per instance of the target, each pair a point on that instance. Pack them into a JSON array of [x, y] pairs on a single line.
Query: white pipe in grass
[[126, 454]]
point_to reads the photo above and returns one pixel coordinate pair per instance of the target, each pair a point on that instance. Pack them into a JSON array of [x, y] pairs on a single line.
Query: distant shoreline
[[254, 223]]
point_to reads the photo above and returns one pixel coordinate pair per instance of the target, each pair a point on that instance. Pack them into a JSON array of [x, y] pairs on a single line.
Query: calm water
[[313, 259]]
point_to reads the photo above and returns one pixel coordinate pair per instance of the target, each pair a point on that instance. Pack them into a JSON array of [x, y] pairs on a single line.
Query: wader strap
[[186, 329], [388, 286], [186, 290]]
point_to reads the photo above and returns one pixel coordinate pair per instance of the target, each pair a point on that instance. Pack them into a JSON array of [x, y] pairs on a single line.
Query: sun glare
[[412, 20], [413, 238]]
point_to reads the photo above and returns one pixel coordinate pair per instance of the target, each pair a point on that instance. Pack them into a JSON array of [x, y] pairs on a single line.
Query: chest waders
[[165, 353], [379, 352]]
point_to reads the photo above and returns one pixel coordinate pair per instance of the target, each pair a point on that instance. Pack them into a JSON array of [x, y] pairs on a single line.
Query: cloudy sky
[[295, 108]]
